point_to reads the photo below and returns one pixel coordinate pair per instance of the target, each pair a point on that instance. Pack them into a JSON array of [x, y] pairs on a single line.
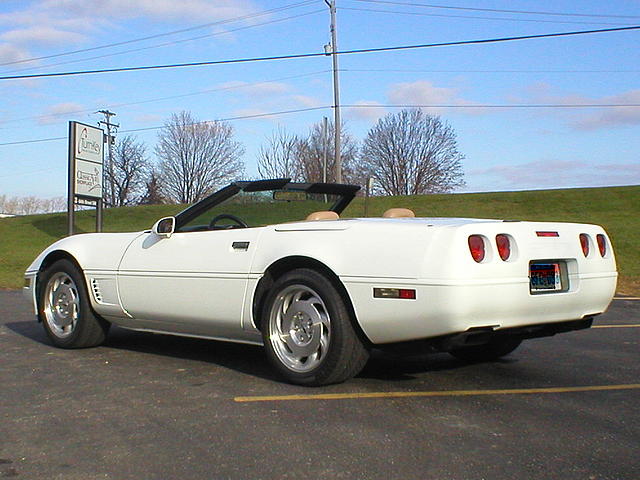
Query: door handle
[[240, 245]]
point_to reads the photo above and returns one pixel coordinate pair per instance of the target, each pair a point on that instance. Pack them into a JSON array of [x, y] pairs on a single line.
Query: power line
[[475, 17], [227, 119], [166, 44], [376, 105], [497, 105], [312, 55], [171, 97], [495, 10], [408, 70], [241, 117], [159, 35]]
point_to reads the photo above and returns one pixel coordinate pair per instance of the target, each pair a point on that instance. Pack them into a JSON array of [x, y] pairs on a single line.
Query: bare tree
[[153, 190], [54, 204], [128, 173], [196, 157], [312, 155], [31, 205], [281, 157], [412, 153]]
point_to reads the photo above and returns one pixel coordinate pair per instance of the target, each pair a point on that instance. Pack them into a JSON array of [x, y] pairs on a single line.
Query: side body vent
[[96, 290]]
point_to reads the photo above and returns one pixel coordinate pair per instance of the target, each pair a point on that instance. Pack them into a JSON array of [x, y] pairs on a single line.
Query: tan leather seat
[[323, 215], [399, 213]]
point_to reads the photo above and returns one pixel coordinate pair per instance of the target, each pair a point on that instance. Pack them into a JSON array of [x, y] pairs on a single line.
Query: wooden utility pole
[[336, 89], [107, 122]]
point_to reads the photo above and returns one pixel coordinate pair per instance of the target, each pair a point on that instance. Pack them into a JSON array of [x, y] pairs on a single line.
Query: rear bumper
[[446, 308]]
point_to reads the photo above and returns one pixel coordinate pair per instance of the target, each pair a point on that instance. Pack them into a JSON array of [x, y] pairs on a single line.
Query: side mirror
[[164, 227]]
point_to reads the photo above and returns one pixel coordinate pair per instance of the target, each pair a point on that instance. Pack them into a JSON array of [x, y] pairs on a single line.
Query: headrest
[[323, 215], [399, 213]]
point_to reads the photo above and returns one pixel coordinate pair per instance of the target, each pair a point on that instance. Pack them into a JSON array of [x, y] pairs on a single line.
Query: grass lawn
[[617, 209]]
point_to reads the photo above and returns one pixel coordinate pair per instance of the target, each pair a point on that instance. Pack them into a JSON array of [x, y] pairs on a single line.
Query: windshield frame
[[344, 192]]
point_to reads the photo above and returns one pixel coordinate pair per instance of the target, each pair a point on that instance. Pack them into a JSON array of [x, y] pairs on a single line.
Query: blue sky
[[506, 148]]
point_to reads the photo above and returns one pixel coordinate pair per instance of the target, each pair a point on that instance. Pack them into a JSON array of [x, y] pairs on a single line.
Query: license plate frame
[[547, 276]]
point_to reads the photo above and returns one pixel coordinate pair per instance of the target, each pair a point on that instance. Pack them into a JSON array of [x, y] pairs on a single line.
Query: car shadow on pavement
[[395, 367], [243, 358], [248, 359]]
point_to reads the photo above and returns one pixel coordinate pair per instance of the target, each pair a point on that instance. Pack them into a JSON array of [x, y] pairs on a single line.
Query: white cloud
[[202, 11], [587, 118], [305, 101], [58, 110], [367, 110], [150, 118], [11, 53], [257, 112], [39, 34], [267, 97], [553, 173], [614, 116], [67, 22], [423, 92], [256, 89]]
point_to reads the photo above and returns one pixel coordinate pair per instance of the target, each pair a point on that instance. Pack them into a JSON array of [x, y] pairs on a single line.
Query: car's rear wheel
[[64, 309], [308, 332], [496, 348]]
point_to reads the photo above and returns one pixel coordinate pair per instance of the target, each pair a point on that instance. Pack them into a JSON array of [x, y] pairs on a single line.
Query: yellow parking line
[[444, 393], [626, 298], [630, 325]]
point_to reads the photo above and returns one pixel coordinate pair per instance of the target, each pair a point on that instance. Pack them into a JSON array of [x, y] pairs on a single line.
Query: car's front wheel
[[494, 349], [308, 332], [64, 309]]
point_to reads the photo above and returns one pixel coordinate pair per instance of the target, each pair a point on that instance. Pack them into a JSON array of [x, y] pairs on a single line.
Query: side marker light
[[402, 293]]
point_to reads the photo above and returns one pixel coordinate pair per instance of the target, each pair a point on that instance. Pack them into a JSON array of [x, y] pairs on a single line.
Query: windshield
[[255, 209], [264, 202]]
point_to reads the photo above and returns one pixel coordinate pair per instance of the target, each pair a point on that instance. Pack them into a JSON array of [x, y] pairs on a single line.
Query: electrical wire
[[175, 42], [227, 119], [377, 105], [159, 35], [172, 97], [495, 105], [312, 55], [407, 70], [495, 10], [475, 17]]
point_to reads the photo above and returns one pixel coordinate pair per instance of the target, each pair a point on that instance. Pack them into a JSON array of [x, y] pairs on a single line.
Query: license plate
[[545, 277]]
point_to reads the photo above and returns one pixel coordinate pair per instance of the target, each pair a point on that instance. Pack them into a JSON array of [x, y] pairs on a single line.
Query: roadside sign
[[86, 159]]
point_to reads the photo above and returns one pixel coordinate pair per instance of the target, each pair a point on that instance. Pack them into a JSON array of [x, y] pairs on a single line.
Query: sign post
[[86, 159]]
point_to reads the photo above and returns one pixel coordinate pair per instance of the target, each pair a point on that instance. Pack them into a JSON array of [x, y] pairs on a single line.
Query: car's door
[[191, 282]]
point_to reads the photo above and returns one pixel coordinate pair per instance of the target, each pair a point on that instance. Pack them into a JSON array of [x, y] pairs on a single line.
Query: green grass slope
[[617, 209]]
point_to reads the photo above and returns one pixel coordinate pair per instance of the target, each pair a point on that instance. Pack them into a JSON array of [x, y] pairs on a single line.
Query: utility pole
[[336, 89], [325, 134], [107, 122], [325, 141]]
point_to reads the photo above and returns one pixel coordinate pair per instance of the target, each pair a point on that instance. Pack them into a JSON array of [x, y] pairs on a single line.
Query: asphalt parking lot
[[147, 406]]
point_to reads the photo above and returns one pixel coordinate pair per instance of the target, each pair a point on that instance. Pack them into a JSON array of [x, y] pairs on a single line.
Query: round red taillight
[[602, 244], [584, 243], [476, 247], [504, 246]]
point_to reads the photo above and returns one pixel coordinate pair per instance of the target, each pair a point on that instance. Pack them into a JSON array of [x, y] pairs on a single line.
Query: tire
[[496, 348], [308, 332], [65, 310]]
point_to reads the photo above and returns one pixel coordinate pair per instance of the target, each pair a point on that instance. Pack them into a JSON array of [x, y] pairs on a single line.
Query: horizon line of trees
[[406, 153]]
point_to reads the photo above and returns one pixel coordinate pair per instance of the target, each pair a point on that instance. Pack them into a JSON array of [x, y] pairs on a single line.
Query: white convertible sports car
[[271, 262]]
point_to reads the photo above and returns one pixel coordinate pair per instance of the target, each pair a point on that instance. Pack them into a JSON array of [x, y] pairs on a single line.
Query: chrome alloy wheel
[[61, 305], [299, 328]]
